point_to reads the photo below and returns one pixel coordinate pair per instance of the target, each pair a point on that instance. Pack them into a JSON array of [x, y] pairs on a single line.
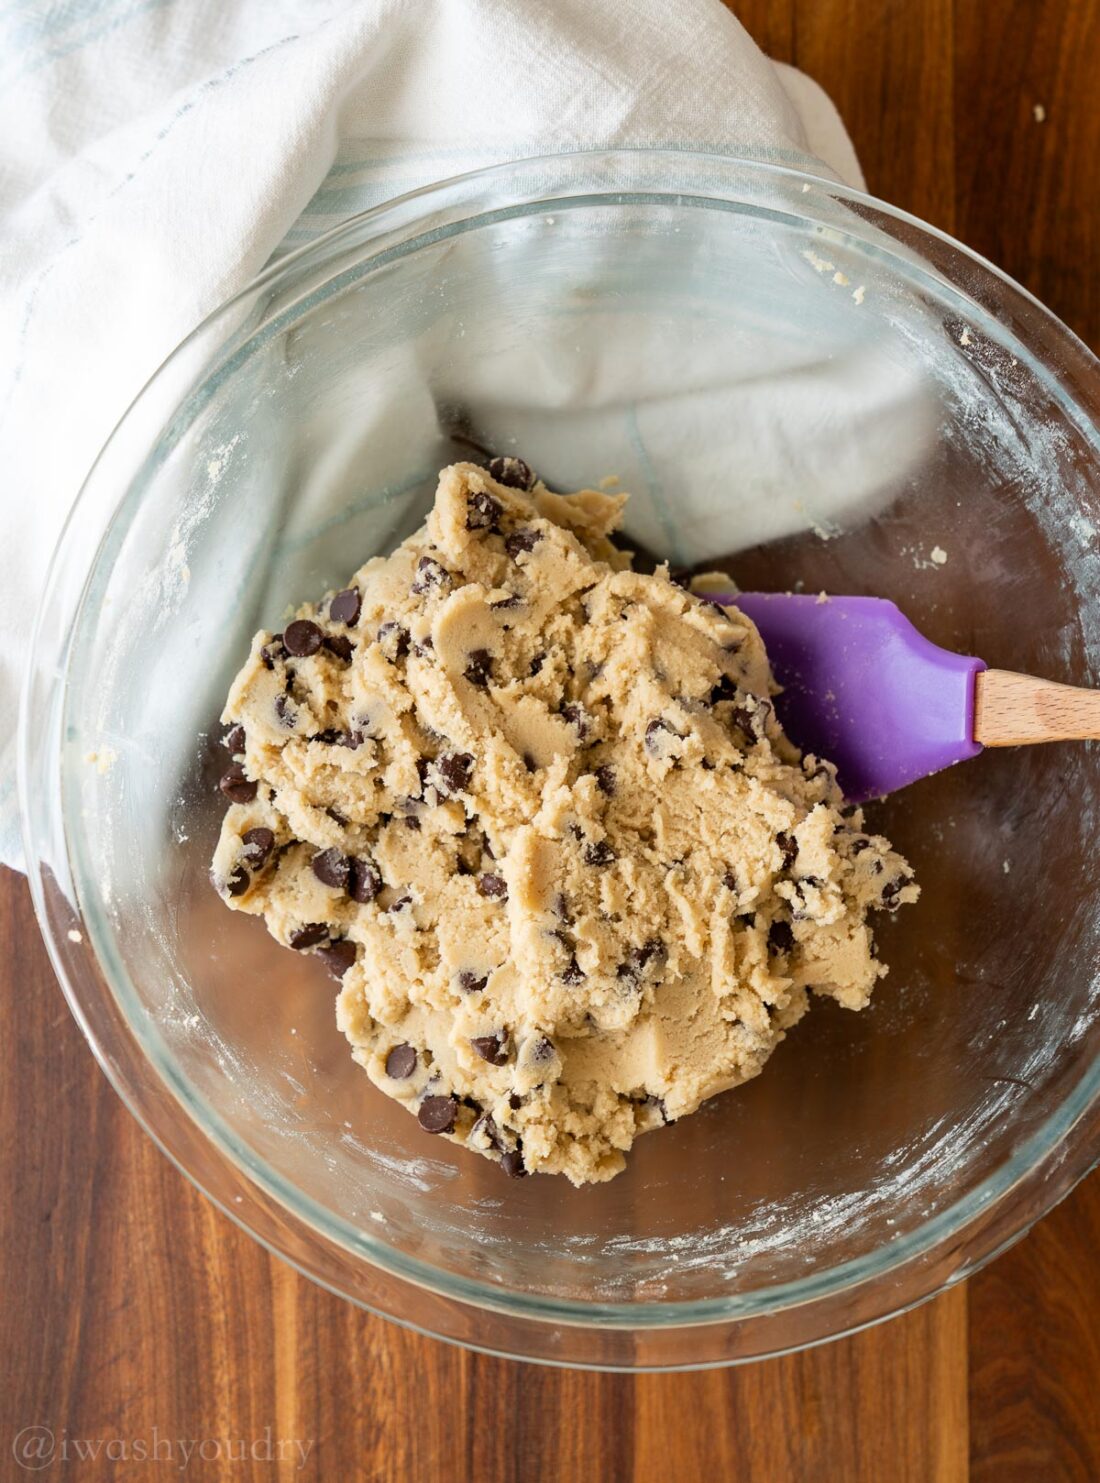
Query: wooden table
[[980, 116]]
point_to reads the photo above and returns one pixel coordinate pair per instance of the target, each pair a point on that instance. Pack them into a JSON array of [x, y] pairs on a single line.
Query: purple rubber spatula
[[864, 689]]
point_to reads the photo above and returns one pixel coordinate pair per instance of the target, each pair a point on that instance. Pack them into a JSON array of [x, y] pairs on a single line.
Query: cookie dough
[[535, 811]]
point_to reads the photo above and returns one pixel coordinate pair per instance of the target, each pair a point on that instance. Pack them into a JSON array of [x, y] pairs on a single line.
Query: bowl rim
[[1028, 1159]]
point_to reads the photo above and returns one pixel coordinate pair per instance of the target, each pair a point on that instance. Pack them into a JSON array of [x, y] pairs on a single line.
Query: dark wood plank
[[1026, 189]]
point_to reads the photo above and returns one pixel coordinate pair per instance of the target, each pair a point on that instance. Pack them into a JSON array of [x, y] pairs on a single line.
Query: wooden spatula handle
[[1014, 710]]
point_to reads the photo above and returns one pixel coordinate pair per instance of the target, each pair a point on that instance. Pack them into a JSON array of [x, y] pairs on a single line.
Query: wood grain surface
[[133, 1311]]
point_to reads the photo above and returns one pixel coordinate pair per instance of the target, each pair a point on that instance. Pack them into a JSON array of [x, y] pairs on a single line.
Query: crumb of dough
[[938, 555], [535, 812]]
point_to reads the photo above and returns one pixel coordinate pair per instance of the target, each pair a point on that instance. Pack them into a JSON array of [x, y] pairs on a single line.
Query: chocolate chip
[[639, 959], [503, 603], [470, 982], [233, 741], [492, 1048], [364, 881], [482, 511], [393, 640], [258, 844], [332, 869], [238, 882], [724, 690], [654, 733], [346, 606], [600, 853], [516, 1101], [577, 717], [455, 768], [429, 574], [273, 652], [309, 935], [340, 645], [729, 880], [741, 717], [572, 973], [540, 1052], [339, 957], [337, 817], [437, 1114], [512, 1164], [480, 668], [788, 848], [860, 845], [493, 886], [302, 638], [400, 903], [893, 889], [401, 1064], [525, 539], [236, 784], [286, 713], [780, 937], [424, 647], [536, 664], [486, 1125], [413, 824], [513, 472], [605, 780]]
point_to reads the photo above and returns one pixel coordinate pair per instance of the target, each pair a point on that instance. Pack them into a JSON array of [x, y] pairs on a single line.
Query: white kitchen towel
[[155, 154]]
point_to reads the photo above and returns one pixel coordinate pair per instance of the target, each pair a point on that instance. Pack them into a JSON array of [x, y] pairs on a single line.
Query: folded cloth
[[156, 155]]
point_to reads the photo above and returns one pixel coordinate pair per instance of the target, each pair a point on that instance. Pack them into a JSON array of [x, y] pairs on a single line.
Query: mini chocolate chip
[[480, 668], [600, 853], [512, 1164], [470, 982], [429, 574], [400, 904], [572, 973], [525, 539], [788, 848], [482, 511], [536, 664], [639, 958], [401, 1063], [393, 640], [516, 1101], [302, 638], [309, 935], [437, 1114], [364, 881], [238, 882], [236, 784], [729, 880], [576, 831], [340, 645], [273, 653], [724, 690], [493, 886], [287, 715], [512, 471], [346, 606], [780, 937], [423, 647], [413, 824], [455, 768], [491, 1048], [233, 741], [258, 844], [337, 817], [605, 780], [486, 1125], [860, 845], [338, 957], [893, 889], [577, 717], [503, 603], [332, 869]]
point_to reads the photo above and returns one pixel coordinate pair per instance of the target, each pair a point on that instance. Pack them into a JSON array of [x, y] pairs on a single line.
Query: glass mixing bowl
[[796, 382]]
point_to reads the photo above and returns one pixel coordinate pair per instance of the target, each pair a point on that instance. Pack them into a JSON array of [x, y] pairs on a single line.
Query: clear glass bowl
[[787, 374]]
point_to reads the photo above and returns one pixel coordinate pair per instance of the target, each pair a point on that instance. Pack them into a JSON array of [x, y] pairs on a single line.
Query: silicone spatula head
[[864, 689]]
